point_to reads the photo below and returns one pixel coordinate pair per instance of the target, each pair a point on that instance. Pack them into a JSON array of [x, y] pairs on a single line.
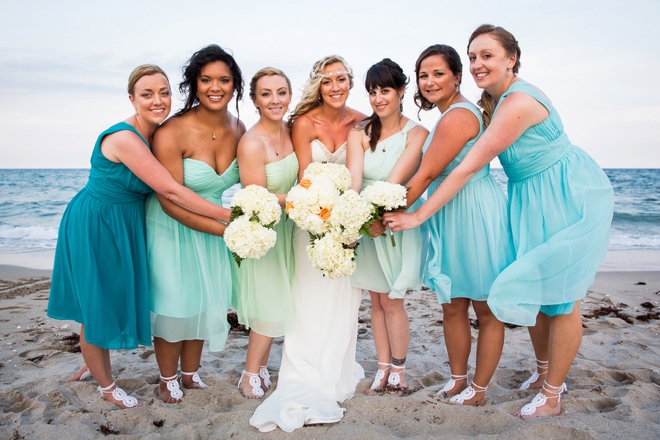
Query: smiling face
[[385, 101], [437, 83], [490, 64], [215, 86], [272, 97], [151, 98], [335, 85]]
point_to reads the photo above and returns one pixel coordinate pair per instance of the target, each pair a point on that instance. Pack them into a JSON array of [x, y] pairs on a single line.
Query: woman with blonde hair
[[100, 272], [318, 357], [263, 297]]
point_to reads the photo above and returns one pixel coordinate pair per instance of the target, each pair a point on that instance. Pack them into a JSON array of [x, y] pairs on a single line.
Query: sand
[[613, 385]]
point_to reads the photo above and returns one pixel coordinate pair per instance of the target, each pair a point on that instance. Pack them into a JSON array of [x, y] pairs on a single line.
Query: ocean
[[32, 203]]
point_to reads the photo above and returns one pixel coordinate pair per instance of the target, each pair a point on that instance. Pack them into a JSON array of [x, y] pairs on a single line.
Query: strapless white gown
[[318, 357]]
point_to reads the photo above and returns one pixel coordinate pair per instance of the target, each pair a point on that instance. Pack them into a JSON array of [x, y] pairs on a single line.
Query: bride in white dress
[[318, 357]]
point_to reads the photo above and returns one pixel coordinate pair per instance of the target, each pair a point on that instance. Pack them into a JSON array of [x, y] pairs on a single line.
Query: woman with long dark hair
[[189, 264], [560, 209]]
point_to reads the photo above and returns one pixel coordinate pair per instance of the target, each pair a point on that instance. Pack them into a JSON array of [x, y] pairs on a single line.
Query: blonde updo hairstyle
[[510, 45], [266, 71], [139, 72], [311, 96]]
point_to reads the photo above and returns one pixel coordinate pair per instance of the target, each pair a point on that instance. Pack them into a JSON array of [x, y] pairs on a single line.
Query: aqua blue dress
[[380, 267], [263, 300], [190, 271], [470, 237], [561, 205], [100, 270]]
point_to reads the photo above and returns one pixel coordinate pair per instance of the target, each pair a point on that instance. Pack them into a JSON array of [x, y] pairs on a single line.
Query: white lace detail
[[452, 382], [540, 399], [120, 395], [395, 376], [380, 374], [173, 386], [467, 394], [265, 375], [196, 379], [338, 156], [254, 381], [540, 365]]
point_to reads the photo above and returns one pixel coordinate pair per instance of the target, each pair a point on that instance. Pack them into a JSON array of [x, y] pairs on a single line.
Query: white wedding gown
[[318, 357]]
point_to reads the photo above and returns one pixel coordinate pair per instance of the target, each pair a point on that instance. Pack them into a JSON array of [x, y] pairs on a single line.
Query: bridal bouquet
[[383, 197], [332, 214], [254, 212]]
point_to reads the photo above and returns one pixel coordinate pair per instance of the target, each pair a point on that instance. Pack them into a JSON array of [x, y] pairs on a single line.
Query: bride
[[318, 357]]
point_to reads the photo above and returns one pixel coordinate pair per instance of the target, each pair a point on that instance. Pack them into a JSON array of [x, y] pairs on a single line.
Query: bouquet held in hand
[[254, 212], [383, 197]]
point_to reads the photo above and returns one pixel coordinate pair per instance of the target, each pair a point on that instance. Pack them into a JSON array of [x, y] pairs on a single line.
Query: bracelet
[[223, 222]]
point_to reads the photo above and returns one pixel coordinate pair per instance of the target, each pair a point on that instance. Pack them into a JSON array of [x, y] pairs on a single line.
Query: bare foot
[[82, 374], [460, 384], [169, 391], [474, 395], [116, 395], [250, 385], [264, 375], [541, 406], [380, 381], [192, 381], [396, 382]]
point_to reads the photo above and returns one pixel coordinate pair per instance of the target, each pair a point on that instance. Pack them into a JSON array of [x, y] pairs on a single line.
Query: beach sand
[[613, 385]]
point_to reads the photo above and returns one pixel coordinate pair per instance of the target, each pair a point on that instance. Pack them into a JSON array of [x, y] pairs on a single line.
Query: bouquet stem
[[392, 238]]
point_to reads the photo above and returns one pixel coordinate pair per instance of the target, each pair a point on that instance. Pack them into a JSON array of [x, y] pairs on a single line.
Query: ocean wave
[[629, 242], [8, 232]]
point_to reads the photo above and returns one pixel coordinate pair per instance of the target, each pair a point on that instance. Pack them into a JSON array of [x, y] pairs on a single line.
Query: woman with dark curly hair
[[189, 263]]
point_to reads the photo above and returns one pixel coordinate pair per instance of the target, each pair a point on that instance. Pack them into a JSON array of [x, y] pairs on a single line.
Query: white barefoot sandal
[[467, 394], [255, 381], [380, 374], [540, 365], [172, 384], [395, 376], [541, 399], [451, 384], [265, 375], [195, 378], [119, 395]]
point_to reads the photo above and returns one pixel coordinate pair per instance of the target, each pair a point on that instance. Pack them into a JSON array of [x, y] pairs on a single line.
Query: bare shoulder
[[237, 126], [251, 142], [304, 125], [355, 116], [418, 130], [122, 138]]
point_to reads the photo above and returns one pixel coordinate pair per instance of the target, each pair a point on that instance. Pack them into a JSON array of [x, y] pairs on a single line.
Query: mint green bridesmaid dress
[[263, 297], [190, 271], [380, 267]]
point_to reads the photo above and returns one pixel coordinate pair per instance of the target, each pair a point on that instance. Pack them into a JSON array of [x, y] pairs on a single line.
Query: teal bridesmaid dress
[[561, 205], [470, 237], [381, 267], [100, 271], [263, 298], [190, 271]]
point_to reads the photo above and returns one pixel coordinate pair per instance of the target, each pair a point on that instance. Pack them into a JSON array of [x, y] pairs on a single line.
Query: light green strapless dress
[[379, 266], [263, 297], [189, 271]]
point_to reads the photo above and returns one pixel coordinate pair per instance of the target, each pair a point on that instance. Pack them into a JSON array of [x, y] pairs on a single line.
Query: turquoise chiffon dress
[[470, 237], [100, 271], [380, 267], [190, 271], [560, 206], [263, 299]]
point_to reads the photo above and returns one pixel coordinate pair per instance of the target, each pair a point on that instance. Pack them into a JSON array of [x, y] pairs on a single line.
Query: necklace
[[400, 132], [219, 126], [277, 144]]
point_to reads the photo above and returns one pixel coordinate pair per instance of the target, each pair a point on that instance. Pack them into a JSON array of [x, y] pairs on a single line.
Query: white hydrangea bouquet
[[383, 197], [254, 212], [332, 214]]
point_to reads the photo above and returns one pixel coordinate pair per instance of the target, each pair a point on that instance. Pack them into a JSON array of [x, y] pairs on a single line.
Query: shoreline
[[627, 260]]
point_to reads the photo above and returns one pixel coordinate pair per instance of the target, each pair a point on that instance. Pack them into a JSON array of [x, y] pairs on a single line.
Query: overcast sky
[[64, 64]]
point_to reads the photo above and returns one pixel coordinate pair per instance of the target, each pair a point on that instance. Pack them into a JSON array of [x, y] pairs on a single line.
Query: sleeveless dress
[[561, 206], [100, 271], [470, 237], [380, 267], [318, 356], [190, 271], [263, 299]]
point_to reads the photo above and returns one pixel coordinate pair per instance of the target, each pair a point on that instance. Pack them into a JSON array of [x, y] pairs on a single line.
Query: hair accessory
[[329, 74]]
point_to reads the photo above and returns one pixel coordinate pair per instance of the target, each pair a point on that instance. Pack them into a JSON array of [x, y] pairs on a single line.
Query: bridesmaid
[[189, 264], [266, 158], [375, 146], [561, 206], [470, 237], [318, 355], [100, 271]]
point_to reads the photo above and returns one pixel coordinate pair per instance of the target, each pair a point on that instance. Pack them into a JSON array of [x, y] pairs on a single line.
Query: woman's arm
[[516, 114], [126, 147], [355, 149], [302, 135], [455, 129]]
